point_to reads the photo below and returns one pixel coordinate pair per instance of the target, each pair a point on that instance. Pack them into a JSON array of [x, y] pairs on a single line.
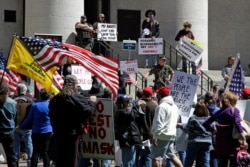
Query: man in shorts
[[164, 129]]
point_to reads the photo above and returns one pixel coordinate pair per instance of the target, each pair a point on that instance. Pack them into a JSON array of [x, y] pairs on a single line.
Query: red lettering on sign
[[99, 107], [100, 120], [130, 69], [97, 133], [96, 148]]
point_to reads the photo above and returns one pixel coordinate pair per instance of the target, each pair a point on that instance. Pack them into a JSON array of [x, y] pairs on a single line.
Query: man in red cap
[[164, 129], [144, 122]]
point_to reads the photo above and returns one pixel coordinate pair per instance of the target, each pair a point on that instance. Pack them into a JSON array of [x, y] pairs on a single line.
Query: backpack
[[129, 135], [134, 135], [22, 109]]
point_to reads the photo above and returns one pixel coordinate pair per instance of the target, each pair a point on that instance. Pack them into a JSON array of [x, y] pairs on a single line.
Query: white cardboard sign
[[149, 46], [129, 66], [107, 32], [83, 76], [183, 91]]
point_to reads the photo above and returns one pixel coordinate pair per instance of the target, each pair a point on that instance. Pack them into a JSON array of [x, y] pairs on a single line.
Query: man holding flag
[[236, 80]]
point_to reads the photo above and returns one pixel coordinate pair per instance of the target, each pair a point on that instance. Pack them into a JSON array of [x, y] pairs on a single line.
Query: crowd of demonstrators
[[153, 28], [227, 117]]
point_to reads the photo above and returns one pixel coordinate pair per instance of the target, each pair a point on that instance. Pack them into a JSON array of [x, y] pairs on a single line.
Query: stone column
[[53, 17]]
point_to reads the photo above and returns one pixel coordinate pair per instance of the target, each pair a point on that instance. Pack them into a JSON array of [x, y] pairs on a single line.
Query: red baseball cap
[[163, 91], [246, 93], [148, 90]]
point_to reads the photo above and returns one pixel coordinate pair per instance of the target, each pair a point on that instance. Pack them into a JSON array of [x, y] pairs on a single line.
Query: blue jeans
[[153, 59], [143, 158], [128, 156], [198, 150], [25, 136]]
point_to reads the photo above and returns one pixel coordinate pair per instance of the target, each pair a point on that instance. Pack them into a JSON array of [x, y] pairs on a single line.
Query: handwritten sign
[[83, 76], [183, 91], [129, 66], [148, 46], [99, 142], [191, 49], [107, 32]]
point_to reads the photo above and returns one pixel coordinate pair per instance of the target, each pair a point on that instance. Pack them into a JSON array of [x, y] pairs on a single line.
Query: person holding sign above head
[[151, 29], [84, 32], [163, 73], [186, 31], [164, 129]]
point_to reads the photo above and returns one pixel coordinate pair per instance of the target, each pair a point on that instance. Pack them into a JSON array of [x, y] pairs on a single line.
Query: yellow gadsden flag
[[21, 61]]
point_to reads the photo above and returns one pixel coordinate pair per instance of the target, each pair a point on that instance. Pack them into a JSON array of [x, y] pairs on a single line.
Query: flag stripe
[[238, 80], [106, 76], [49, 57]]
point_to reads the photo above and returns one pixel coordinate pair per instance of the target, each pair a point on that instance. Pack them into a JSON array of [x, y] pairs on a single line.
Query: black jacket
[[69, 113]]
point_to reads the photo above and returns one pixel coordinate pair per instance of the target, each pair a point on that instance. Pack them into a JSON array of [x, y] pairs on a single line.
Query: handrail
[[174, 56], [114, 54]]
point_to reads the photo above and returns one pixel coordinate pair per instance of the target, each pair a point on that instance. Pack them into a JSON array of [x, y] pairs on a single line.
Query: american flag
[[8, 76], [128, 78], [51, 53], [58, 80], [238, 80], [46, 52]]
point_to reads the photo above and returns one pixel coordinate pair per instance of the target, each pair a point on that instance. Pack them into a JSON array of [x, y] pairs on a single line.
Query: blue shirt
[[39, 116]]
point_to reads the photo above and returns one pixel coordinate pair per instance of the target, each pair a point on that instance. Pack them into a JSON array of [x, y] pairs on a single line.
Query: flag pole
[[232, 71]]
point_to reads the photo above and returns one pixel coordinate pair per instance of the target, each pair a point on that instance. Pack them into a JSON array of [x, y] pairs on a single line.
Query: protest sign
[[183, 91], [149, 46], [244, 107], [83, 76], [129, 66], [191, 49], [99, 142], [107, 32]]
